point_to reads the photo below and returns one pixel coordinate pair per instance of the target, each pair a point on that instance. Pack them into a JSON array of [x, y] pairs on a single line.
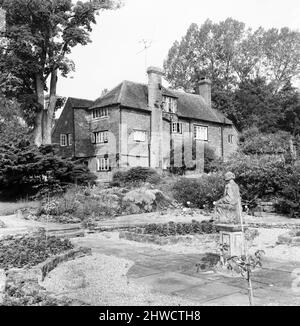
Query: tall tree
[[281, 59], [236, 59], [40, 34]]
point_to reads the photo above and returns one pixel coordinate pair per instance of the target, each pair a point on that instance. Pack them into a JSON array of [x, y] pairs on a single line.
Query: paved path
[[176, 274], [15, 224]]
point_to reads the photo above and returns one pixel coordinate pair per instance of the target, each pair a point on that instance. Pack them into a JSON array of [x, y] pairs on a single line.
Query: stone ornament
[[229, 207]]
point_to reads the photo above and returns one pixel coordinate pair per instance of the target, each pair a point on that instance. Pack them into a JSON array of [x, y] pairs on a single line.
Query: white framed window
[[177, 127], [103, 164], [99, 137], [201, 132], [65, 140], [230, 139], [100, 113], [139, 135], [169, 104]]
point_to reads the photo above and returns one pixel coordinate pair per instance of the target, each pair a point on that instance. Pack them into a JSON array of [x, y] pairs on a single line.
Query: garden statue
[[229, 207]]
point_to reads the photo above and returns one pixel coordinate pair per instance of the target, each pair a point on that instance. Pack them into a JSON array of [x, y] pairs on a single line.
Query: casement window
[[177, 127], [65, 139], [230, 139], [99, 137], [169, 104], [100, 113], [139, 135], [201, 132], [103, 164]]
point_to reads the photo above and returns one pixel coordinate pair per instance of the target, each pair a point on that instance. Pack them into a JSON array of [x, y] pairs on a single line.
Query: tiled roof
[[79, 102], [135, 95]]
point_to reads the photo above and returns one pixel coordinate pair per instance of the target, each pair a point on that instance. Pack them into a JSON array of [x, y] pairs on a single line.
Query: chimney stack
[[154, 86], [205, 90], [154, 103]]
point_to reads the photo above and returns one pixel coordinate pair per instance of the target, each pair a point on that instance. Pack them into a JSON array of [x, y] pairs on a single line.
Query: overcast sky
[[116, 39]]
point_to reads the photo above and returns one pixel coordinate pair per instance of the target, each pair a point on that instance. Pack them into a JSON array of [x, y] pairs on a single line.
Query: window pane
[[63, 140], [200, 132]]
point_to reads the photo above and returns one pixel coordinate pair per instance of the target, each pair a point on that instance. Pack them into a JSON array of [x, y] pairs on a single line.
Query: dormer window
[[169, 104], [100, 113]]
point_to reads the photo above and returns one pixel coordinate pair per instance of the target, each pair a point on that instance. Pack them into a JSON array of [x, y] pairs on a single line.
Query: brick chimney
[[154, 103], [205, 90]]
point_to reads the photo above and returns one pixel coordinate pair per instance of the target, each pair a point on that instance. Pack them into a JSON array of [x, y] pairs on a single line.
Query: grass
[[10, 208]]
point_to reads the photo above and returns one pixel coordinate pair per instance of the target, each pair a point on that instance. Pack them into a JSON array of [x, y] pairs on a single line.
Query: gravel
[[267, 241], [101, 280]]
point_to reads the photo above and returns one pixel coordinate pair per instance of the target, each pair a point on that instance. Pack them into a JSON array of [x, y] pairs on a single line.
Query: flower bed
[[29, 250], [172, 228], [164, 240], [22, 287], [171, 233]]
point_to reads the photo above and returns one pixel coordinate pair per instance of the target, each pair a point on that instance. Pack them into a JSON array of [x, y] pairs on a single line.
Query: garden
[[166, 211]]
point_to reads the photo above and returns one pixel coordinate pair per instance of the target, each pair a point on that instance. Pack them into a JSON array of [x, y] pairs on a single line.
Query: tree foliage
[[39, 36], [28, 170], [251, 72]]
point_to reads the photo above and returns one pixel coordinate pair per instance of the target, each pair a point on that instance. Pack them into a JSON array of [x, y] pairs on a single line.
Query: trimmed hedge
[[172, 228]]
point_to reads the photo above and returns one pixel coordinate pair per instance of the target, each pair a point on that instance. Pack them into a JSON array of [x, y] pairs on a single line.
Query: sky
[[115, 53]]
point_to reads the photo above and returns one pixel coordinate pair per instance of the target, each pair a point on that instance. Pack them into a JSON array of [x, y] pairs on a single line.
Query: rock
[[291, 237], [2, 225]]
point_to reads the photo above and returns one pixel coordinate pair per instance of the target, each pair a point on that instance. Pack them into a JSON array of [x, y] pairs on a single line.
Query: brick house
[[144, 125]]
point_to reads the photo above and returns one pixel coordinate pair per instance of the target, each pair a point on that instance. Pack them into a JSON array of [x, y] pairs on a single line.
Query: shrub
[[211, 161], [253, 142], [28, 170], [145, 200], [200, 192], [81, 203], [135, 176], [258, 176], [289, 196]]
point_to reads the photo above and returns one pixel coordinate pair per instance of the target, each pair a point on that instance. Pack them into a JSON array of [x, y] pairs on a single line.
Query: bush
[[289, 196], [135, 176], [81, 203], [145, 200], [30, 171], [258, 176], [211, 161], [200, 192], [253, 142]]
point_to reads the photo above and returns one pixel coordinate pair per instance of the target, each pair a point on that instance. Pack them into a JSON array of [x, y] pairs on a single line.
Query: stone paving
[[176, 274]]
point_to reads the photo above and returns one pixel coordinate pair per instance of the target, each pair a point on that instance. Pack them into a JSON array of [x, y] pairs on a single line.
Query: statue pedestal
[[234, 240]]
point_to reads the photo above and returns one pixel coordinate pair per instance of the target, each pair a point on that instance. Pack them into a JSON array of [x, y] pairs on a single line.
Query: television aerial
[[146, 45]]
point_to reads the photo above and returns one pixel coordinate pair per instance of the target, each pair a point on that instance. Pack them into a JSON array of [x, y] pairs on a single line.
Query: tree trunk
[[49, 112], [38, 123]]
